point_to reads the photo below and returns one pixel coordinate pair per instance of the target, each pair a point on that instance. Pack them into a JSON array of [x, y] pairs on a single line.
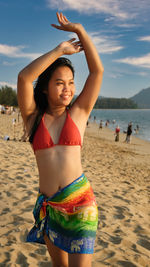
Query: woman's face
[[61, 87]]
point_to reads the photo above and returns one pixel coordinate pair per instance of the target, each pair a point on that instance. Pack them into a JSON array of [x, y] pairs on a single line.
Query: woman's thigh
[[59, 257], [80, 260]]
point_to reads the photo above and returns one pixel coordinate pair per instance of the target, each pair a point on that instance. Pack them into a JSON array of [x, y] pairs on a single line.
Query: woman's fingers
[[61, 21], [74, 43], [80, 47], [61, 18], [71, 40], [66, 19], [56, 26], [58, 17], [77, 44]]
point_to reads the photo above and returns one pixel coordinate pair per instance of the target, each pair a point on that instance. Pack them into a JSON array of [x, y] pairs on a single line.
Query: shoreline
[[123, 117], [109, 135], [133, 135]]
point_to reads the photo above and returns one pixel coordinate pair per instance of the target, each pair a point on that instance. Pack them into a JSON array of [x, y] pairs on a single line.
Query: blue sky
[[120, 30]]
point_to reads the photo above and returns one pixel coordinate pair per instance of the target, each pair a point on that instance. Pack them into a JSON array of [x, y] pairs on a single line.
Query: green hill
[[142, 99]]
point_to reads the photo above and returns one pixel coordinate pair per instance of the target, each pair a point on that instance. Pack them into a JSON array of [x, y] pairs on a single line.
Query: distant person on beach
[[137, 129], [14, 128], [19, 115], [117, 131], [129, 132], [66, 213], [101, 125], [24, 137], [107, 123]]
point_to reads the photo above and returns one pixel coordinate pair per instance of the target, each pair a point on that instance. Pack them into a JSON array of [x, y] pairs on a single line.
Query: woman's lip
[[65, 96]]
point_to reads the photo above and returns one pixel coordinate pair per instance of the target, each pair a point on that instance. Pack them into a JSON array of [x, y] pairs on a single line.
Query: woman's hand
[[70, 47], [66, 25]]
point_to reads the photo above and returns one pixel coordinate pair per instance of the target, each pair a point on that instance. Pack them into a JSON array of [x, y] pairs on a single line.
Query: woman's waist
[[53, 181]]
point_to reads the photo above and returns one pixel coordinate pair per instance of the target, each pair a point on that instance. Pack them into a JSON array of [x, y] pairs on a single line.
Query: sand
[[120, 176]]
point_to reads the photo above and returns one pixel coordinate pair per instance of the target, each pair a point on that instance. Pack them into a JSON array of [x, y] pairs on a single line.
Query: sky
[[119, 29]]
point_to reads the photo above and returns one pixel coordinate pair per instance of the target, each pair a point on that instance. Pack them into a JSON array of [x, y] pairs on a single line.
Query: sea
[[123, 117]]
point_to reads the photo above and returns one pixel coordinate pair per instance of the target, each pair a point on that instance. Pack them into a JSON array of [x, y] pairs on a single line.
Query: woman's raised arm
[[31, 72], [26, 78], [90, 92]]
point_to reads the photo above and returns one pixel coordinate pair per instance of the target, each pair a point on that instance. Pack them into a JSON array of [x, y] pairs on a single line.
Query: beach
[[120, 176]]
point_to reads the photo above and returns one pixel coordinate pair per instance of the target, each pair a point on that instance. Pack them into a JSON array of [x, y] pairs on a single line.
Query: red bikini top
[[70, 135]]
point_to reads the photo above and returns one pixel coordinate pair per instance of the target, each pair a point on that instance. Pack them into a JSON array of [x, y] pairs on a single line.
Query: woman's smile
[[65, 96]]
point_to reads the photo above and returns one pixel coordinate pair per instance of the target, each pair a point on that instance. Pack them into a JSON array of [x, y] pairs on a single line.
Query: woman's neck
[[56, 112]]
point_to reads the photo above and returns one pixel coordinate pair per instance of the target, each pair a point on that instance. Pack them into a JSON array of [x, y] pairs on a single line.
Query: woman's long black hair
[[41, 86]]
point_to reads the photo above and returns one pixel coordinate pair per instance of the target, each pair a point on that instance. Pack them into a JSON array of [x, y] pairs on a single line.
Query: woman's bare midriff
[[58, 166]]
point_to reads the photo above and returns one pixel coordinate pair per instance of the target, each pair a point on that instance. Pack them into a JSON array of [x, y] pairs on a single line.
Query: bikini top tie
[[70, 135]]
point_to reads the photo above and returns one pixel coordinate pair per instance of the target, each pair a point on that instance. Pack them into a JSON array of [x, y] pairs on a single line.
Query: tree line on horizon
[[115, 103], [8, 97]]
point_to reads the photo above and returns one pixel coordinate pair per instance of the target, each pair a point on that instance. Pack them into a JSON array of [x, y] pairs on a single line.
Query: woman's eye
[[59, 83]]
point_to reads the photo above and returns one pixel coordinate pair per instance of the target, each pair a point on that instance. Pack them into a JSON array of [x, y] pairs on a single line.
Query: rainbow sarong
[[69, 218]]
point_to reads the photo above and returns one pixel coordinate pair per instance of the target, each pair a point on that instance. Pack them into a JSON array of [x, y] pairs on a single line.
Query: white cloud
[[143, 74], [118, 73], [115, 75], [16, 52], [143, 62], [13, 85], [126, 25], [109, 19], [6, 63], [104, 44], [87, 6], [144, 38], [120, 9]]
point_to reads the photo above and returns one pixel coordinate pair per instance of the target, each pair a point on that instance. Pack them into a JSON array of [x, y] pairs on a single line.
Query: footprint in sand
[[102, 243], [6, 263], [119, 215], [126, 264], [21, 260], [115, 239], [144, 243], [5, 211], [45, 264], [105, 257]]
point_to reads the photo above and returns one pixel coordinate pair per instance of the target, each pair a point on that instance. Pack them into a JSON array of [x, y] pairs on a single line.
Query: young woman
[[65, 211]]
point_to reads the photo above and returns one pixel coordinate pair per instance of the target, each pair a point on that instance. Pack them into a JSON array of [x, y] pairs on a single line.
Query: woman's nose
[[66, 87]]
